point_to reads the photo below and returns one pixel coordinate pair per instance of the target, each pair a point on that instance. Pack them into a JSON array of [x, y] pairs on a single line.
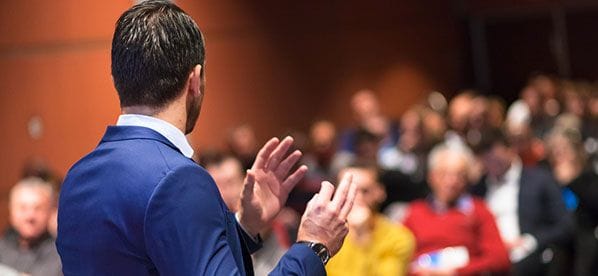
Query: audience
[[27, 246], [374, 245], [455, 232], [526, 202], [404, 163], [368, 117], [536, 170]]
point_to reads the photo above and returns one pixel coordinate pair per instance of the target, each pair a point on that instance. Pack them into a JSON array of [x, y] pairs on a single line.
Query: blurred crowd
[[466, 186]]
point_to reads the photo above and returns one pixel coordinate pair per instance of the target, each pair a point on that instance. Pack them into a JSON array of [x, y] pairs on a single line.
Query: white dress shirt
[[503, 201], [170, 132]]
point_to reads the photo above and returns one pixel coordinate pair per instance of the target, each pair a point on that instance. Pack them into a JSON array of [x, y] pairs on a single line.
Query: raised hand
[[268, 183], [325, 218]]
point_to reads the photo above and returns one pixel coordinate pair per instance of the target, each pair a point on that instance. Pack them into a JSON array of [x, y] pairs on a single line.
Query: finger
[[286, 165], [348, 205], [325, 193], [311, 202], [341, 192], [248, 185], [277, 155], [294, 178], [262, 156]]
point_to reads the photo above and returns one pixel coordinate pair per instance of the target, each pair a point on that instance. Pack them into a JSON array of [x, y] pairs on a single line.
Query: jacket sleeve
[[299, 260], [185, 226], [186, 231]]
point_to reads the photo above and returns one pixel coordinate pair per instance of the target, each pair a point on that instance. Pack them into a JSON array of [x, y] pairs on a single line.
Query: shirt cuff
[[256, 239]]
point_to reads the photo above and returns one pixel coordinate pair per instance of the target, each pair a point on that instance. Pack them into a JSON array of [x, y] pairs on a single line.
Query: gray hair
[[438, 153], [33, 183]]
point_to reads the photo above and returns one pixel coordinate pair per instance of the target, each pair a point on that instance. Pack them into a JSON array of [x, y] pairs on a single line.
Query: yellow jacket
[[388, 253]]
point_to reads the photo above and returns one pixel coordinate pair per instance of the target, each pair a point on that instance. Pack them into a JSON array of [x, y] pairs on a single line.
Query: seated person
[[374, 245], [27, 246], [527, 204], [455, 232]]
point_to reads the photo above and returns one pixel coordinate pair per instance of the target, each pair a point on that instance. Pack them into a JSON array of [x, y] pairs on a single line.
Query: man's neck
[[168, 114]]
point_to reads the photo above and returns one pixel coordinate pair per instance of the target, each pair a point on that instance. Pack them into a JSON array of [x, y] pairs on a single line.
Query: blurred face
[[229, 179], [243, 141], [532, 97], [575, 104], [369, 192], [448, 179], [497, 160], [322, 136], [30, 210], [411, 131], [459, 110], [478, 117], [365, 104], [561, 151]]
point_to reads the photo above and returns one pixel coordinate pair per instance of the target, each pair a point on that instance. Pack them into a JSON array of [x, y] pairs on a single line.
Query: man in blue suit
[[138, 205]]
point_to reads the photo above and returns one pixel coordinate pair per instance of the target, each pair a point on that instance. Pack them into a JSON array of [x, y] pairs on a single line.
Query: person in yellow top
[[374, 245]]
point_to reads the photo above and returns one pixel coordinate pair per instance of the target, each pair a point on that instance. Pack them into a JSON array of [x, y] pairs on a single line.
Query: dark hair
[[154, 48], [488, 139]]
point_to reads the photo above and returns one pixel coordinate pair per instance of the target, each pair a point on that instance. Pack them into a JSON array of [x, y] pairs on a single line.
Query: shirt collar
[[514, 172], [463, 204], [170, 132], [511, 176]]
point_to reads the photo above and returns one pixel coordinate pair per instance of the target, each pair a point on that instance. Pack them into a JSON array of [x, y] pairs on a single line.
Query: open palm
[[268, 184]]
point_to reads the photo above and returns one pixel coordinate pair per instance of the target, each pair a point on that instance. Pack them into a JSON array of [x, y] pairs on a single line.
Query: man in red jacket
[[455, 233]]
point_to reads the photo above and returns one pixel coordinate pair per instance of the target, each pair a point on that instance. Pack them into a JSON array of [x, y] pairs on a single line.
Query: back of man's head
[[154, 48]]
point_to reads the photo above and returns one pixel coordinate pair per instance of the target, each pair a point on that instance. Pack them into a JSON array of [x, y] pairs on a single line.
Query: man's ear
[[195, 79]]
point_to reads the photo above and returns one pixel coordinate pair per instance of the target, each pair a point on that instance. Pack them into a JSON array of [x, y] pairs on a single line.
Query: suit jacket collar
[[120, 133]]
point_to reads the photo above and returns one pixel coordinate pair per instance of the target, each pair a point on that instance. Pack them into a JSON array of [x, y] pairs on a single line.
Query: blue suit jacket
[[137, 206]]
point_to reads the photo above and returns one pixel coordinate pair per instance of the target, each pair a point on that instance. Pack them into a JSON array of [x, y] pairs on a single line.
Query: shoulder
[[185, 181], [417, 205], [416, 210], [186, 186], [480, 206], [393, 231], [536, 174]]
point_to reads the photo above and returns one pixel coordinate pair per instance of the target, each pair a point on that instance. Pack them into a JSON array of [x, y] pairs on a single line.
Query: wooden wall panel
[[276, 65]]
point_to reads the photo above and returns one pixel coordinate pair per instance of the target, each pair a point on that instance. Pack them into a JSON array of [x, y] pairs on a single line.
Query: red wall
[[276, 65]]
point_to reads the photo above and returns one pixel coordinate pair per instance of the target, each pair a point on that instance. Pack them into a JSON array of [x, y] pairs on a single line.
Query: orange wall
[[273, 64]]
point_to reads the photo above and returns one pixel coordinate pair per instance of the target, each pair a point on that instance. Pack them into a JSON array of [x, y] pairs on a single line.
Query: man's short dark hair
[[488, 139], [154, 48]]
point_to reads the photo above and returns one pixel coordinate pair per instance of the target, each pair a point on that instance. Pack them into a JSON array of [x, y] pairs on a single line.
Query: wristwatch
[[319, 249]]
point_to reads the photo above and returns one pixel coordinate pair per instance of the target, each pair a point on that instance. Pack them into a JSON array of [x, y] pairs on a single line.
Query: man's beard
[[193, 110]]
